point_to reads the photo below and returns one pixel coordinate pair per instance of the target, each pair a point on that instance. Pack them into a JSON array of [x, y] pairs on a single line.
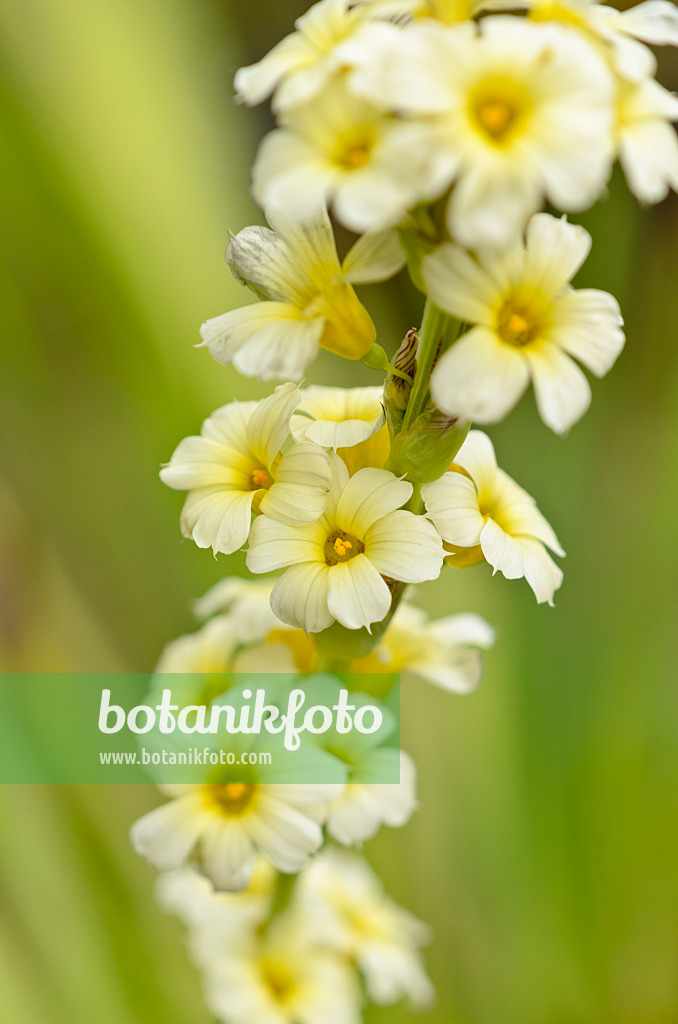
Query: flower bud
[[397, 389], [424, 452]]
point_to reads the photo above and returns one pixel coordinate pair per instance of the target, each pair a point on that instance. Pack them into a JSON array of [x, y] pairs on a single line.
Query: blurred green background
[[545, 852]]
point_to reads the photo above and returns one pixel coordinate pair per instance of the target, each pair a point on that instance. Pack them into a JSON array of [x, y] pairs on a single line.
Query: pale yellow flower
[[483, 514], [310, 302], [236, 466], [335, 568], [529, 324]]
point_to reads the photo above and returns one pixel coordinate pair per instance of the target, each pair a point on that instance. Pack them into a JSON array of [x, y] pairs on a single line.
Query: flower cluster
[[437, 131]]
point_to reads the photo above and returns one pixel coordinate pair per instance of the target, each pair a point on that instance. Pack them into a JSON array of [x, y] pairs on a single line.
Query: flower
[[444, 652], [483, 514], [350, 421], [223, 826], [655, 21], [514, 111], [337, 565], [351, 913], [302, 63], [309, 299], [363, 806], [338, 417], [344, 150], [284, 976], [235, 467], [530, 323], [648, 148], [217, 921]]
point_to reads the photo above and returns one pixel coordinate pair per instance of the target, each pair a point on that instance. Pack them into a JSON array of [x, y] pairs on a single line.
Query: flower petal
[[369, 495], [166, 836], [477, 457], [479, 378], [562, 391], [302, 484], [269, 425], [555, 252], [202, 462], [452, 505], [299, 598], [276, 545], [376, 256], [227, 855], [405, 547], [459, 285], [267, 340], [217, 519], [655, 21], [587, 324], [357, 595], [516, 557]]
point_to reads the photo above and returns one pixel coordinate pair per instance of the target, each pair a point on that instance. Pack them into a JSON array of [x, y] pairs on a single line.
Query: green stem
[[433, 327]]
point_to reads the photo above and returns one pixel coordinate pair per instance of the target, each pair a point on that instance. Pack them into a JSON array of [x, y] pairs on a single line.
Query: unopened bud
[[397, 389], [424, 451]]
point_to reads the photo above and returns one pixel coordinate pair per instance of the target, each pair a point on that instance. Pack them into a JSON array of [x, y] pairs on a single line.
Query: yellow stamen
[[342, 546], [516, 324], [260, 478], [495, 117], [230, 799], [355, 157]]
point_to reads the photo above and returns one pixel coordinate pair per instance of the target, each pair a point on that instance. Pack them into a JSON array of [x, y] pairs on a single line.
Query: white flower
[[514, 111], [303, 63], [209, 650], [217, 921], [235, 466], [343, 150], [338, 417], [337, 566], [223, 826], [362, 807], [247, 606], [310, 301], [444, 652], [648, 147], [655, 21], [350, 421], [344, 898], [530, 323], [483, 514], [284, 977]]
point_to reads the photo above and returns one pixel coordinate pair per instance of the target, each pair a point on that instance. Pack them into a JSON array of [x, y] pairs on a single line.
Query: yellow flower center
[[260, 478], [517, 325], [352, 150], [278, 980], [498, 108], [340, 546], [231, 799]]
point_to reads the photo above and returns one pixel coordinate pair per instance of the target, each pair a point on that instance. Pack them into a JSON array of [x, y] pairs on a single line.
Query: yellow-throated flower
[[620, 32], [530, 324], [302, 63], [351, 913], [444, 652], [284, 976], [309, 298], [222, 826], [236, 465], [336, 566], [648, 147], [483, 514], [344, 150], [350, 421], [515, 111]]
